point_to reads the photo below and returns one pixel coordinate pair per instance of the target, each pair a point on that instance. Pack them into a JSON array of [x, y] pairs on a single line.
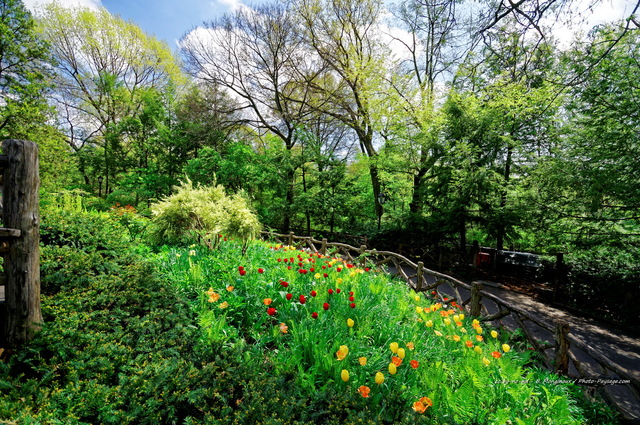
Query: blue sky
[[168, 20]]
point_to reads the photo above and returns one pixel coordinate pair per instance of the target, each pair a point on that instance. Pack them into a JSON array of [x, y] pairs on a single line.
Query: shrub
[[200, 214]]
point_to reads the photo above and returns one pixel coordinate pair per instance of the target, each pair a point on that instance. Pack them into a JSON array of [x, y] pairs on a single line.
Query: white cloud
[[35, 5], [231, 4]]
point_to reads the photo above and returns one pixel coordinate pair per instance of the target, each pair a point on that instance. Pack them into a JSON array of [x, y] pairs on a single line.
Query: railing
[[449, 289], [19, 241]]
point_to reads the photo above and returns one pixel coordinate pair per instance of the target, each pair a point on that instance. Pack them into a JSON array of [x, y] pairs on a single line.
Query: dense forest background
[[473, 119]]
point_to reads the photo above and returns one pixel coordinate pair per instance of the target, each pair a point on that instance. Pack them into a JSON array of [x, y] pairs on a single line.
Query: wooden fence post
[[561, 362], [290, 238], [419, 275], [476, 299], [22, 260], [323, 247]]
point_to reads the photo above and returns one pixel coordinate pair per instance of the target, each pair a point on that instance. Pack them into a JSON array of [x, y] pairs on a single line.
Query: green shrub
[[201, 214]]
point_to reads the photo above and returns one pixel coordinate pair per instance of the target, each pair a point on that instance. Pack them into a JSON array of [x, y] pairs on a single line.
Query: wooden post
[[361, 251], [323, 247], [22, 261], [419, 275], [561, 362], [290, 238], [476, 299]]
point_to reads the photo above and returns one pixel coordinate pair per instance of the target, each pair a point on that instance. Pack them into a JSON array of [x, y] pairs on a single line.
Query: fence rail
[[422, 279]]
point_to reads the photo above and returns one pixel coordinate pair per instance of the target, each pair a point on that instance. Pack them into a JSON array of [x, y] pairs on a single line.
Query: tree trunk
[[22, 261], [503, 200]]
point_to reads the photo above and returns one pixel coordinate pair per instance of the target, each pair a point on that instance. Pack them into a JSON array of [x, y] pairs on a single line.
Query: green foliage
[[202, 214]]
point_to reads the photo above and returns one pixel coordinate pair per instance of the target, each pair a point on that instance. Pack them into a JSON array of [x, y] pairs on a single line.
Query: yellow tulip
[[418, 309], [392, 369], [344, 375], [317, 276], [338, 281], [486, 361], [393, 347], [506, 348], [447, 321], [477, 349], [362, 360], [350, 323], [416, 298], [461, 316], [429, 323], [379, 378], [494, 334], [400, 353]]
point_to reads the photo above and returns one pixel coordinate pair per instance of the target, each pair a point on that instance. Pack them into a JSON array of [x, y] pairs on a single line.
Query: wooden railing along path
[[422, 279]]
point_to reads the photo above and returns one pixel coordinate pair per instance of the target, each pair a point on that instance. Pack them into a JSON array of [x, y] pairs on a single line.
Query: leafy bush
[[201, 214]]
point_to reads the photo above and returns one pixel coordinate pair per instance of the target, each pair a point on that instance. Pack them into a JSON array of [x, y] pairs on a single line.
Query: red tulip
[[330, 291], [314, 315], [289, 296], [351, 299], [337, 290], [302, 299], [284, 284], [271, 311], [352, 305], [314, 293], [325, 306], [260, 270], [243, 272]]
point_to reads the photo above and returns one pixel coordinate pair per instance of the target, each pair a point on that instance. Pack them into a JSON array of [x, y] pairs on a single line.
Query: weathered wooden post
[[561, 362], [21, 215], [476, 299], [323, 247], [290, 238], [419, 276]]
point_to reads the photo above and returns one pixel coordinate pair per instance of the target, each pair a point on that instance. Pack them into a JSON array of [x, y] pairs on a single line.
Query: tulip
[[414, 364], [506, 348], [325, 306], [392, 369], [350, 323], [344, 375], [271, 311], [379, 378], [364, 391], [494, 334], [393, 347], [401, 353], [362, 361]]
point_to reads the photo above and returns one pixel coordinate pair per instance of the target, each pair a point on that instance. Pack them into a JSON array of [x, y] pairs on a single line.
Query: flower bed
[[324, 323]]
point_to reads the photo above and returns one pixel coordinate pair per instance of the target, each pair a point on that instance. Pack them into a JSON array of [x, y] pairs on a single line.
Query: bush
[[200, 214]]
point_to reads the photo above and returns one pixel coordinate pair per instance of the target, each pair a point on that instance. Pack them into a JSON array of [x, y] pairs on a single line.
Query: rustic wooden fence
[[19, 241], [557, 356]]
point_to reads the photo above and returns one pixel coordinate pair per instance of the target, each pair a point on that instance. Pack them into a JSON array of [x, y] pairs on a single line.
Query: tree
[[350, 84], [24, 60], [256, 56], [433, 49], [105, 67]]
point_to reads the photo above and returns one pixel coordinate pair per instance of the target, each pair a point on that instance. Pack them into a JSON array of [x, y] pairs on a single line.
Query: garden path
[[617, 347]]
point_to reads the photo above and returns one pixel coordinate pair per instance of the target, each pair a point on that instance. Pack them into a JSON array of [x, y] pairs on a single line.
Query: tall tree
[[433, 46], [24, 60], [105, 66], [345, 37], [256, 56]]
